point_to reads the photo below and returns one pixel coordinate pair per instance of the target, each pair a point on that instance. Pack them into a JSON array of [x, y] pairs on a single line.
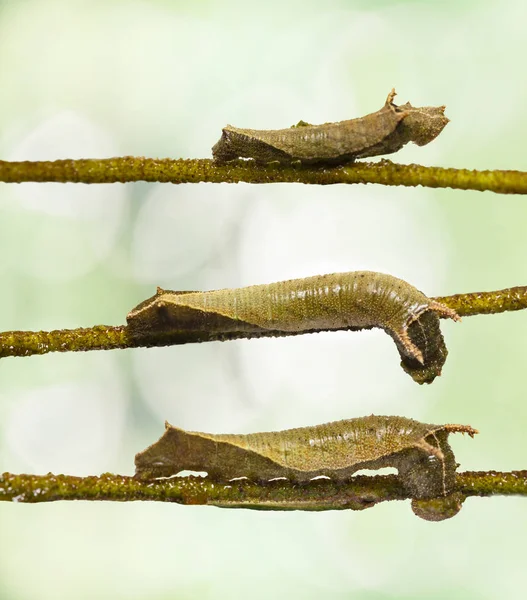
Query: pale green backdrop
[[160, 78]]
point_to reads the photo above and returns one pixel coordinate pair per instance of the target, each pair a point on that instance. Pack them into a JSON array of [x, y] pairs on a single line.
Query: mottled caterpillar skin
[[353, 300], [382, 132], [419, 451]]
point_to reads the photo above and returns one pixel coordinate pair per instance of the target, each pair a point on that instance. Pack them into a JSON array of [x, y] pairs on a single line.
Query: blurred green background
[[161, 78]]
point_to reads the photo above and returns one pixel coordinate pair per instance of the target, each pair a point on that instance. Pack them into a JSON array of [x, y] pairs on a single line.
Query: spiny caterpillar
[[346, 301], [419, 451], [382, 132]]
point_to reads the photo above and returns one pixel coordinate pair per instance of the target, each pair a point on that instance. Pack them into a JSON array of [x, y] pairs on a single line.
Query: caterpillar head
[[422, 349], [425, 334], [438, 509], [422, 125]]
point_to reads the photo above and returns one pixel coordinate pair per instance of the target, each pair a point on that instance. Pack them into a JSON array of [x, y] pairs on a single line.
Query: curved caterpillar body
[[353, 300], [419, 451], [382, 132]]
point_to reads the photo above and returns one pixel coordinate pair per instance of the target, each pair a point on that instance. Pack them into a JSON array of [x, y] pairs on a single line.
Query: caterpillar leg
[[410, 348], [444, 311], [453, 428], [429, 449]]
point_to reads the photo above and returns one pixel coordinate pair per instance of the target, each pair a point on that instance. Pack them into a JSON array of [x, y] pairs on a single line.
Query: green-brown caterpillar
[[382, 132], [419, 451], [349, 301]]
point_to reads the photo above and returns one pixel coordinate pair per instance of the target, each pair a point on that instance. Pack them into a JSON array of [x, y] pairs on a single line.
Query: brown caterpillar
[[382, 132], [419, 451], [353, 300]]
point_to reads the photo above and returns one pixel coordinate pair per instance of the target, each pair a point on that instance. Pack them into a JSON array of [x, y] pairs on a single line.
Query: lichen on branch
[[130, 168], [358, 493]]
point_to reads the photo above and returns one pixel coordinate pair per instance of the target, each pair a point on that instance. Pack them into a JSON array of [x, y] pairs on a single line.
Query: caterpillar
[[382, 132], [349, 301], [419, 451]]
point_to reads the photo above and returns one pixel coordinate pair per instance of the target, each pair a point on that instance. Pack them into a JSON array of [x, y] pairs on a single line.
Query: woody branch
[[129, 168], [358, 493]]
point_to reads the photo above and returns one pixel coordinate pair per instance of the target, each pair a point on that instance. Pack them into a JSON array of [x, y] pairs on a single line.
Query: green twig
[[108, 337], [487, 303], [98, 337], [129, 168], [357, 494]]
